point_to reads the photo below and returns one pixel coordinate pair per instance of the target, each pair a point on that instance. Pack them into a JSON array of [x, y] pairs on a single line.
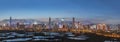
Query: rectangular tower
[[49, 22], [10, 21], [73, 22]]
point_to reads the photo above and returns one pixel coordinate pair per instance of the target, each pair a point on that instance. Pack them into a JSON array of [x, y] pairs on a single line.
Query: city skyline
[[81, 20]]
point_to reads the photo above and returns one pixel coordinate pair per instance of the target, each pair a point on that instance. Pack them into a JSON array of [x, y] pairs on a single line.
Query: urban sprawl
[[62, 26]]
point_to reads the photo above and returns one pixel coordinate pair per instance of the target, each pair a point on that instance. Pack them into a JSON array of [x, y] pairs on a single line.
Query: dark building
[[118, 26], [10, 21], [49, 22], [22, 26], [73, 22], [17, 24]]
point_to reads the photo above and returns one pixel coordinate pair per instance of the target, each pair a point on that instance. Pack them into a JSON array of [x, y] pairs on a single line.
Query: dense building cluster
[[59, 24]]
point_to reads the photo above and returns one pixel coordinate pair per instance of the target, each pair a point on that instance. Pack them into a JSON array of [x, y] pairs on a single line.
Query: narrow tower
[[49, 22], [73, 22], [10, 21]]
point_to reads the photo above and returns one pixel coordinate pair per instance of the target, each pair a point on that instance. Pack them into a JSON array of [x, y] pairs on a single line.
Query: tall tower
[[10, 21], [49, 22], [73, 22]]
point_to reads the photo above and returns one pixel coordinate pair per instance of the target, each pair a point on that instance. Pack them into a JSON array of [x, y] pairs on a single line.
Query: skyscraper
[[102, 27], [49, 22], [73, 22], [10, 21]]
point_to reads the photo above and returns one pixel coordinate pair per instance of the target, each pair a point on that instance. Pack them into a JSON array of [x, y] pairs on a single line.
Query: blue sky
[[60, 8]]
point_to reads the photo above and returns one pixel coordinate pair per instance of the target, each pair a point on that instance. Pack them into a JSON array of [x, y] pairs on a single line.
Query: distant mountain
[[66, 20], [43, 20]]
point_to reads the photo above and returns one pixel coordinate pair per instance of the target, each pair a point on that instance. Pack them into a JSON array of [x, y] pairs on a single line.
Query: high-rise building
[[73, 22], [118, 26], [93, 27], [22, 26], [102, 27], [112, 27], [10, 21], [49, 22]]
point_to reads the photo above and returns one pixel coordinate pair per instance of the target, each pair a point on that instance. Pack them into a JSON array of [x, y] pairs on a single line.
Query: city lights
[[77, 27]]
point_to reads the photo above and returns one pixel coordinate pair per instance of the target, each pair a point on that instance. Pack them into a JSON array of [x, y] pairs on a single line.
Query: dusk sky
[[109, 9]]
